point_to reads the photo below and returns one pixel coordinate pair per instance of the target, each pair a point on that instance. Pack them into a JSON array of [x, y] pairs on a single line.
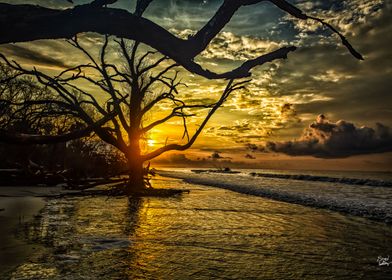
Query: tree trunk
[[135, 165], [136, 176]]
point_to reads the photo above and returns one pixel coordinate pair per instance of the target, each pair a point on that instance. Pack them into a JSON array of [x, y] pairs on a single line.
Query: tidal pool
[[209, 233]]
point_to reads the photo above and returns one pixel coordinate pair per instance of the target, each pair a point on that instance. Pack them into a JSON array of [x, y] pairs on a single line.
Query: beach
[[210, 233], [373, 201], [19, 206]]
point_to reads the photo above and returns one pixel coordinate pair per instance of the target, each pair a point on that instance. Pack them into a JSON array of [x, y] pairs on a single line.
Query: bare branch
[[23, 139], [142, 58], [100, 3], [112, 92], [27, 22], [170, 147], [343, 39], [176, 112], [141, 6], [243, 70]]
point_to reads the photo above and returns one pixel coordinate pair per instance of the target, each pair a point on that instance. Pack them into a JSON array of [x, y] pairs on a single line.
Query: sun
[[151, 142]]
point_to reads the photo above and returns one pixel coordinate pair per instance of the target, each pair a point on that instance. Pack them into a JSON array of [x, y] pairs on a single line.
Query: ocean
[[363, 175], [229, 226], [366, 194]]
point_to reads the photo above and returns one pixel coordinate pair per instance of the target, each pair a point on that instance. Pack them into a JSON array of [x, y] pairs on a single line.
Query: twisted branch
[[22, 23]]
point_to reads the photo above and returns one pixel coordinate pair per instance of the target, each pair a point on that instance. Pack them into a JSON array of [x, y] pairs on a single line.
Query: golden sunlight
[[151, 142]]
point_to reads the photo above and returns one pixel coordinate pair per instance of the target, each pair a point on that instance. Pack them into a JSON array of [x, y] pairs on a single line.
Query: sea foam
[[364, 201]]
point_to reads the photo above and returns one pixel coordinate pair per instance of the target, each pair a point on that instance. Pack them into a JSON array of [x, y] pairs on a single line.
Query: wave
[[368, 202], [343, 180]]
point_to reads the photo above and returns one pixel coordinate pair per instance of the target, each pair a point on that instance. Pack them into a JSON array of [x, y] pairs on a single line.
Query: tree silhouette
[[127, 94], [24, 111], [121, 120]]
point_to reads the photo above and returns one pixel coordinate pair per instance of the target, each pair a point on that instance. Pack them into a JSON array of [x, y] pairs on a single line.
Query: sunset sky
[[276, 122]]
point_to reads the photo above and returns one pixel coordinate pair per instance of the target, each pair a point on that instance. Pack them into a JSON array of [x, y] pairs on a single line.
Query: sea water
[[210, 233], [366, 194]]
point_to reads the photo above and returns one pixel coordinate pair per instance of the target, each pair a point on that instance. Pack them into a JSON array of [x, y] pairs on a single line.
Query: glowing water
[[210, 233]]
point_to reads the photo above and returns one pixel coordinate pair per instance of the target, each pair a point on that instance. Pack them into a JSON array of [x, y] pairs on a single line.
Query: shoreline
[[19, 205], [356, 206], [206, 234]]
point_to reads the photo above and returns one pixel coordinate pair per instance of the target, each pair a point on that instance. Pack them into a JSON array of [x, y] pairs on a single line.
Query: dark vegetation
[[69, 162]]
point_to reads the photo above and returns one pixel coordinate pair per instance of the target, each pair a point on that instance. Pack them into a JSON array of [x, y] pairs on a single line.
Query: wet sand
[[210, 233], [18, 206]]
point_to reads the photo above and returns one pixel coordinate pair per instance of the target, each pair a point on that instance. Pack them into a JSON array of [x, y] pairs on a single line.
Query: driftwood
[[90, 183]]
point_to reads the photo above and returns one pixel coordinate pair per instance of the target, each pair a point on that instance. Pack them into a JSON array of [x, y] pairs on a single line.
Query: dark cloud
[[201, 101], [32, 55], [326, 139], [323, 77]]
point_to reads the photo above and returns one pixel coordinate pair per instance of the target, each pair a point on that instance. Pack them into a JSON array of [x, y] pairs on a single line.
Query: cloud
[[230, 46], [265, 117], [346, 16], [32, 55], [322, 77], [326, 139]]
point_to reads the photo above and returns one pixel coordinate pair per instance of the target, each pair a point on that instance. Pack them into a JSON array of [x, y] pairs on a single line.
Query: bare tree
[[22, 23], [121, 117], [27, 111], [24, 111], [127, 94]]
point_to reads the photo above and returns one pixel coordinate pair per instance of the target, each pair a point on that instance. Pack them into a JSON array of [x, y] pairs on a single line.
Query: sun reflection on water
[[209, 233]]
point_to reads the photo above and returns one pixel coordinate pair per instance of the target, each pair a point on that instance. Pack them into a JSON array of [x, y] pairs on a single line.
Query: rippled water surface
[[209, 233]]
